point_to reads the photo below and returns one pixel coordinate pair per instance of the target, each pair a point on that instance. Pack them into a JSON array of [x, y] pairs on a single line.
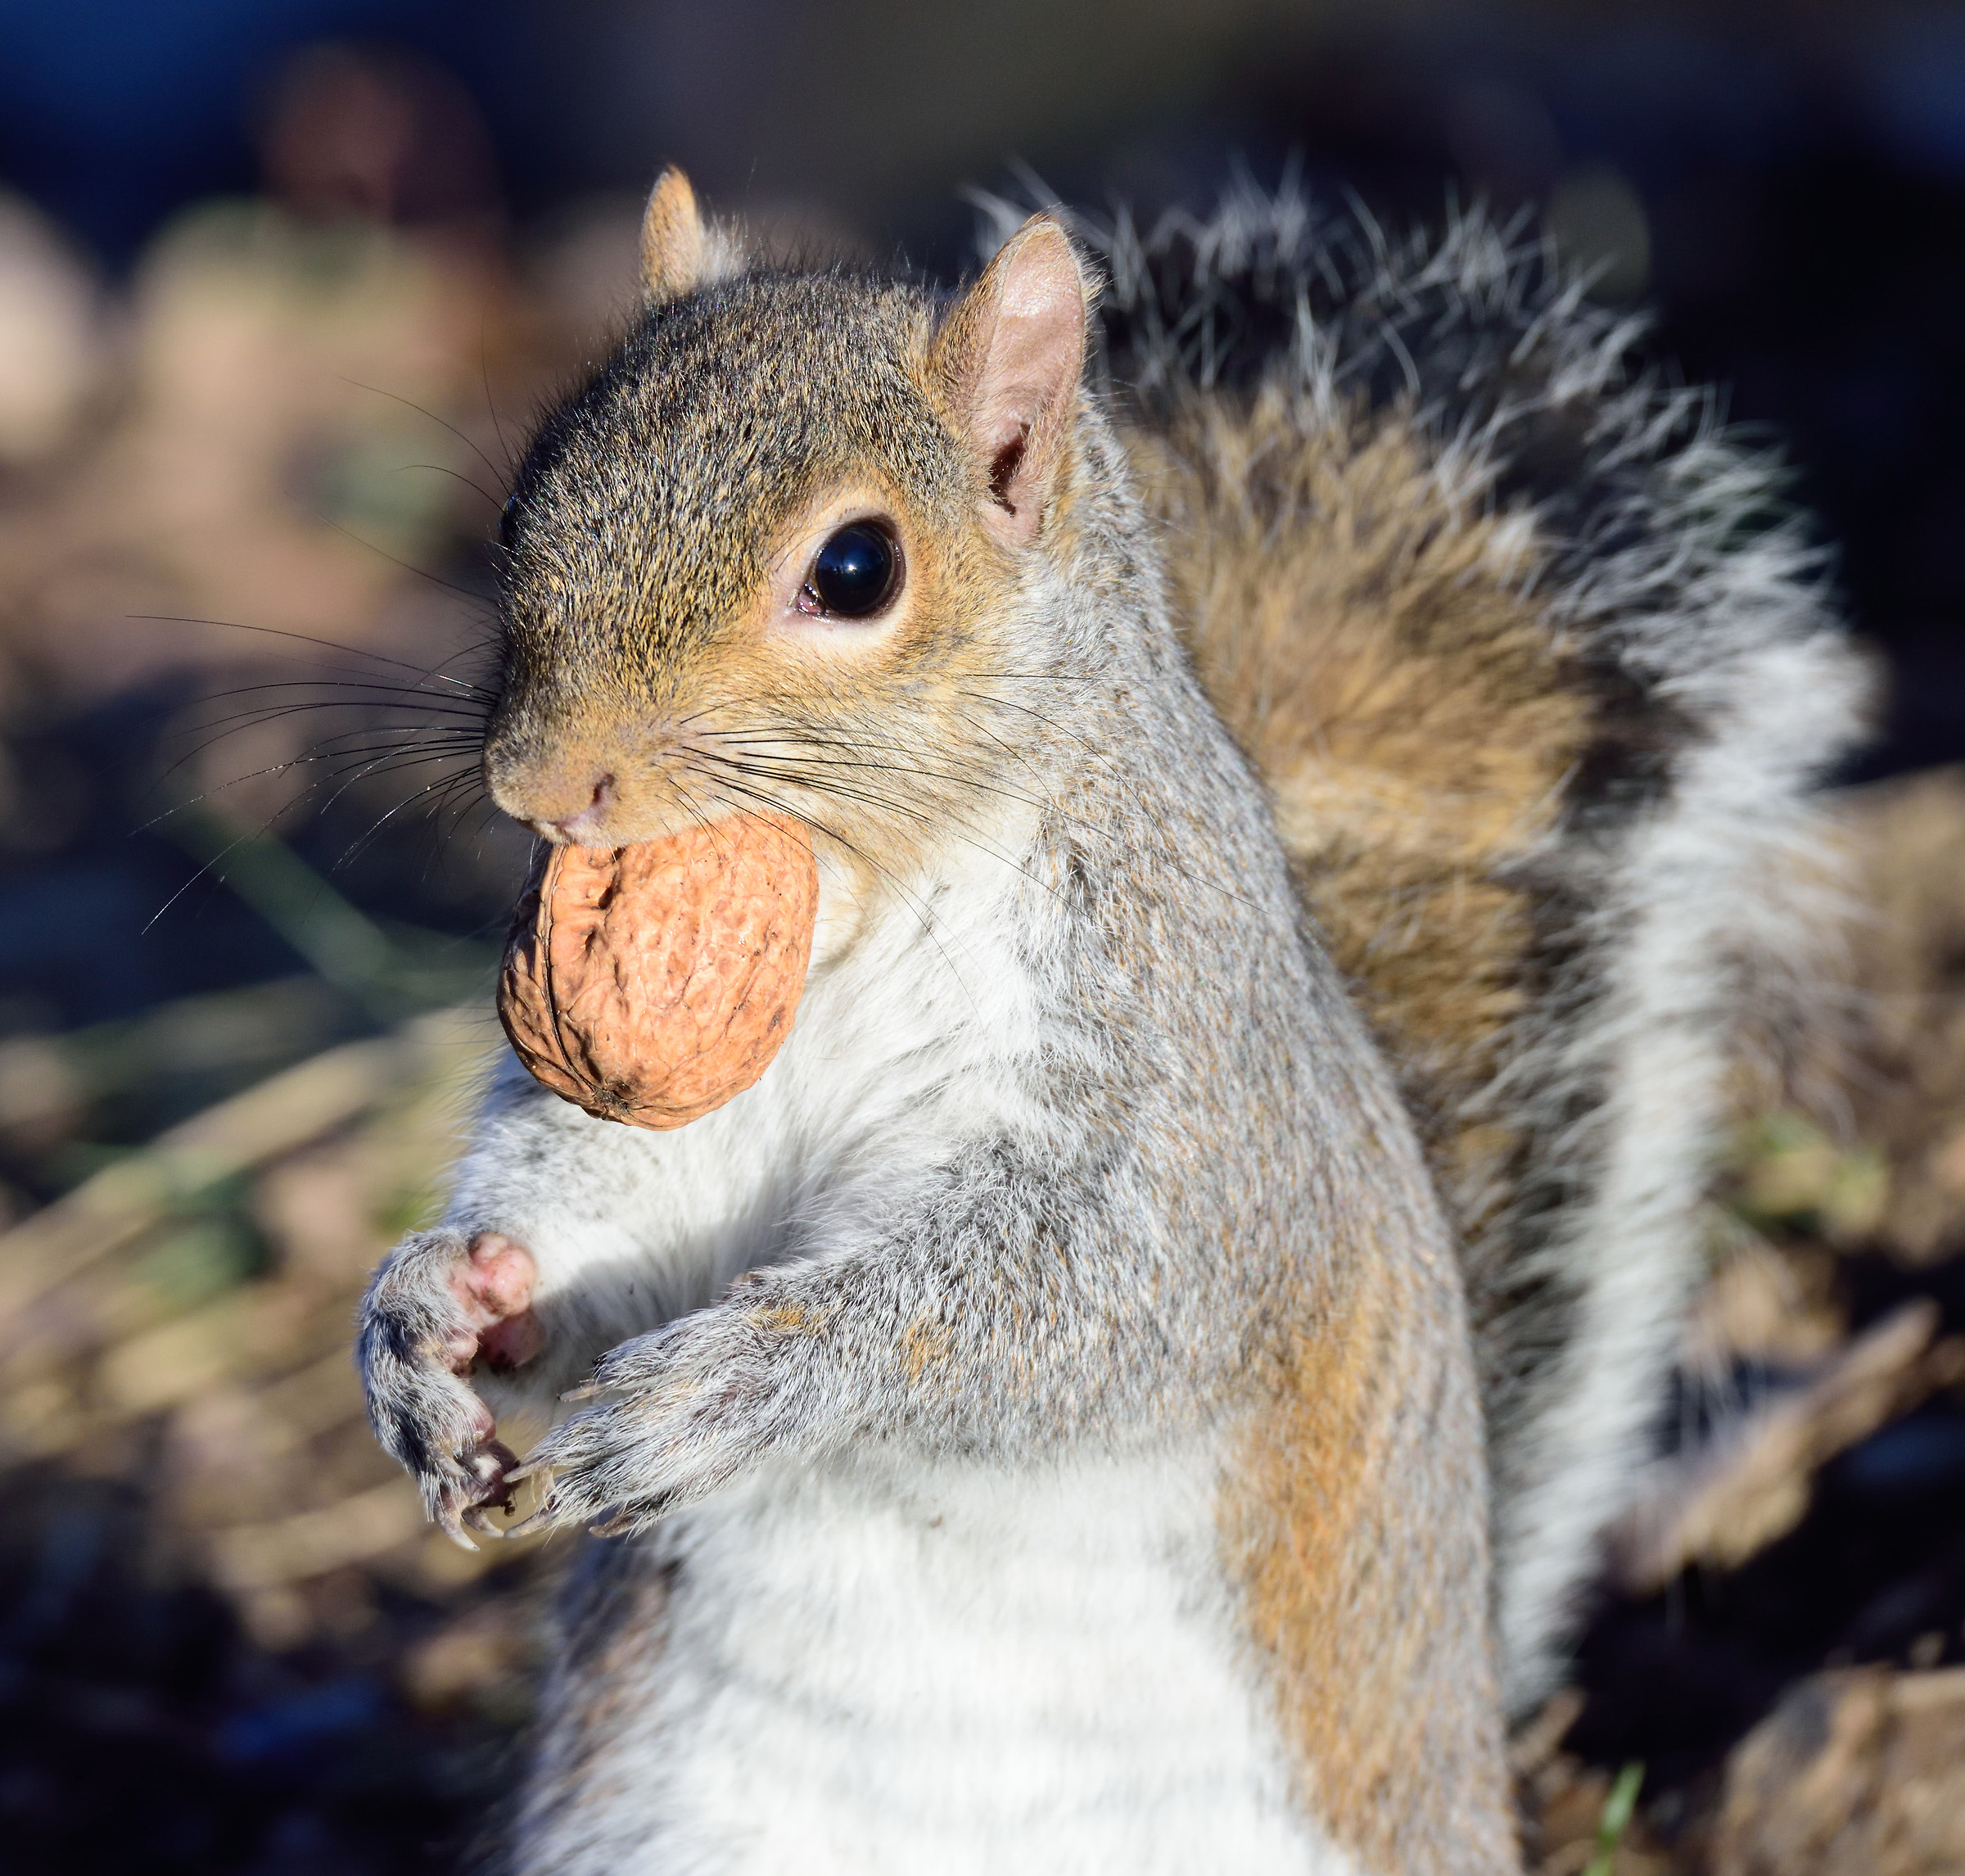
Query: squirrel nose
[[563, 792], [576, 827]]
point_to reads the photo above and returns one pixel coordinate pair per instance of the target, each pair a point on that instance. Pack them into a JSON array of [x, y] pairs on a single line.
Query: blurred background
[[283, 284]]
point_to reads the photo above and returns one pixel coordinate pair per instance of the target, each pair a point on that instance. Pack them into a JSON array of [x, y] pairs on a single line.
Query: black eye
[[856, 572]]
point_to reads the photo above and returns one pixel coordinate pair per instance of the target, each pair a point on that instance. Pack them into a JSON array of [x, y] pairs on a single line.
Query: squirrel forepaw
[[677, 1414], [440, 1305]]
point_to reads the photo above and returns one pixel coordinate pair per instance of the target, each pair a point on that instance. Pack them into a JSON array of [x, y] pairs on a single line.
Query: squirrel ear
[[1008, 358], [673, 244]]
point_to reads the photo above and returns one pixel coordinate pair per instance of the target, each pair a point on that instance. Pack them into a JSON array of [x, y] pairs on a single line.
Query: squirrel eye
[[857, 570]]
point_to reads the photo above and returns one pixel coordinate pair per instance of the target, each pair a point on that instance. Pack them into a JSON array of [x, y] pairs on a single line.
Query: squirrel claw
[[449, 1523], [539, 1519], [479, 1518]]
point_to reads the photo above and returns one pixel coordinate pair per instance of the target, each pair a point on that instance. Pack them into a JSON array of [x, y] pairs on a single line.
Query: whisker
[[929, 774], [367, 686], [376, 390], [218, 729], [361, 845], [918, 907], [284, 768], [789, 769], [307, 639], [888, 804], [460, 742], [223, 728], [407, 566], [1005, 703], [470, 482], [484, 364]]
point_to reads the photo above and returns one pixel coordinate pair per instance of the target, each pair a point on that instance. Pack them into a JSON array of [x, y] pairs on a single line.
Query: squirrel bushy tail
[[1539, 670]]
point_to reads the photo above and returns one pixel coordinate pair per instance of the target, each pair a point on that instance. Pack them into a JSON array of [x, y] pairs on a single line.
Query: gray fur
[[1696, 610]]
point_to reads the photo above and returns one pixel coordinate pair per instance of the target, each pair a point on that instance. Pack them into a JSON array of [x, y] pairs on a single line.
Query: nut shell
[[650, 984]]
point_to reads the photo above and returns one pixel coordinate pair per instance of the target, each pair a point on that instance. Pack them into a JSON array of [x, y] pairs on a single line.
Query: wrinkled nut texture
[[651, 985]]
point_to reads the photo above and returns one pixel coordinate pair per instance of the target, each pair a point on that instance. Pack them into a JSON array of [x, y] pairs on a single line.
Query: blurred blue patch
[[286, 1729], [1662, 100], [66, 927], [1917, 92], [122, 69], [1922, 1454], [115, 112]]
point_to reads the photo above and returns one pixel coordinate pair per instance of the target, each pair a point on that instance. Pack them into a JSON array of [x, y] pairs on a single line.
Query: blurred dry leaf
[[480, 1653], [299, 1105], [53, 337], [1904, 1080], [1570, 1801], [1860, 1770], [1731, 1496], [266, 1466], [1773, 1307]]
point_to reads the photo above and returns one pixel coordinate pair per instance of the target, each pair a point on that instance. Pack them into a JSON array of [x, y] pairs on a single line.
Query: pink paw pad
[[493, 1284]]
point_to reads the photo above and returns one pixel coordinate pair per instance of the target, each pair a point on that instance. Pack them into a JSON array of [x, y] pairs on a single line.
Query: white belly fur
[[886, 1669]]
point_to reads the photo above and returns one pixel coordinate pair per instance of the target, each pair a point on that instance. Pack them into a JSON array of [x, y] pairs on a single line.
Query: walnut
[[651, 985]]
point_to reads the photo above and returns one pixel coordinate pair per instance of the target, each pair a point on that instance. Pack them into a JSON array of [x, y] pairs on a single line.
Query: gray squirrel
[[1305, 757]]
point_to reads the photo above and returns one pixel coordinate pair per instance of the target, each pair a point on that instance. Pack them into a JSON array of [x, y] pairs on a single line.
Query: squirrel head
[[789, 549]]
